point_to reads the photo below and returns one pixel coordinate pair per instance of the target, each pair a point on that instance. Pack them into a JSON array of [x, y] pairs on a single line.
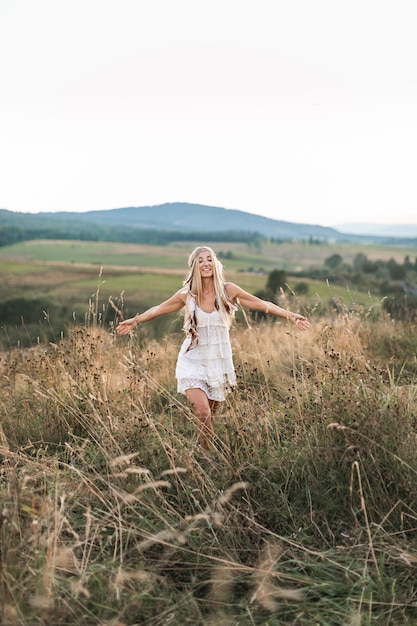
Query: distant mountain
[[380, 230], [160, 223], [198, 217]]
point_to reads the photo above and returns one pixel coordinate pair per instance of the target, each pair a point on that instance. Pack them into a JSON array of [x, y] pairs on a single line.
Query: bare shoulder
[[233, 290], [180, 295], [177, 299], [173, 304]]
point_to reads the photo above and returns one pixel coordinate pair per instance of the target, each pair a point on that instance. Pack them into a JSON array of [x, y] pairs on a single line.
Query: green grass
[[20, 268], [97, 253], [326, 290], [288, 256], [158, 284]]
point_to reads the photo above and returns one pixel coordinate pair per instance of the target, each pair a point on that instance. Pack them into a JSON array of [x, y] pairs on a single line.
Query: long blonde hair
[[194, 286]]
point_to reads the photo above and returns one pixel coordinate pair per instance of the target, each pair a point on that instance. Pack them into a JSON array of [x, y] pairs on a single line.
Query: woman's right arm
[[172, 305]]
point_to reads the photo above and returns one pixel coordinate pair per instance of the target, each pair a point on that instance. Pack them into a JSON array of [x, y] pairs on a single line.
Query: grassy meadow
[[303, 513], [55, 283]]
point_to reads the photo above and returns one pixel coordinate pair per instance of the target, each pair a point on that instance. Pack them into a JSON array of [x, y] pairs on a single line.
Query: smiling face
[[204, 266], [205, 263]]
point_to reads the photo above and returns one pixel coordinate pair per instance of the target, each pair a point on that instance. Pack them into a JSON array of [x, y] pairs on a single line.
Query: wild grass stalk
[[304, 513]]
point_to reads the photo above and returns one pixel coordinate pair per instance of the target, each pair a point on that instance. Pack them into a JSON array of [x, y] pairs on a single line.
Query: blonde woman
[[204, 370]]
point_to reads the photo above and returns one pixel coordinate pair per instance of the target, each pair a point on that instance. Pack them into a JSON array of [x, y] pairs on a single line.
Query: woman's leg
[[214, 405], [203, 410]]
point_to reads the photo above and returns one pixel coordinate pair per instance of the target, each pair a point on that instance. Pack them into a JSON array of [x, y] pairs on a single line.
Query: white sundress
[[209, 365]]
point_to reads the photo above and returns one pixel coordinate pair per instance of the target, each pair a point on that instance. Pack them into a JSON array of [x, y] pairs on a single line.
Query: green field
[[75, 270], [73, 279], [291, 256]]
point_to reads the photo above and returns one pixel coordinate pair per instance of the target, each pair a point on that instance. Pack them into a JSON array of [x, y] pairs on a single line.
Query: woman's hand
[[127, 326], [300, 322]]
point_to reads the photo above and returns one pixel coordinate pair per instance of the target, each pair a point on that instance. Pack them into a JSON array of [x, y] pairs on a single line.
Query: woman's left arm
[[249, 301]]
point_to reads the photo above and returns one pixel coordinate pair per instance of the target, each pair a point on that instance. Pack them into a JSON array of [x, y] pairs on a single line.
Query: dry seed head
[[270, 554], [164, 537], [65, 560], [78, 589], [264, 595], [9, 615], [295, 595], [3, 439], [229, 493], [127, 498], [336, 426], [157, 484], [123, 576], [408, 558], [268, 595], [221, 586], [197, 518], [125, 460], [217, 519], [266, 592], [133, 470], [42, 601], [174, 471]]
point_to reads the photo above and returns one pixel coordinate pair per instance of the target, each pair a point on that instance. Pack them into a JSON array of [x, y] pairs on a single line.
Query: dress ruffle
[[210, 362]]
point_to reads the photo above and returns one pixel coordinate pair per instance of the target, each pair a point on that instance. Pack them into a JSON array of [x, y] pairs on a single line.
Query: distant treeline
[[13, 234]]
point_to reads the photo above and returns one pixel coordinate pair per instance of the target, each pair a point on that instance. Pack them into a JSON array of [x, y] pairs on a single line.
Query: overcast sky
[[301, 110]]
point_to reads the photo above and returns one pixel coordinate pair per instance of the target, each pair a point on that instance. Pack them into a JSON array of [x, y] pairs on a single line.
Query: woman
[[205, 371]]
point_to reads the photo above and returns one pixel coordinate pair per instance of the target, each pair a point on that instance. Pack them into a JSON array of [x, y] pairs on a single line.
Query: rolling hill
[[124, 224], [197, 217]]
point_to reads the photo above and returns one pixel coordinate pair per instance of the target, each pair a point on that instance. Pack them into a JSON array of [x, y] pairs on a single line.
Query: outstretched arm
[[172, 305], [249, 301]]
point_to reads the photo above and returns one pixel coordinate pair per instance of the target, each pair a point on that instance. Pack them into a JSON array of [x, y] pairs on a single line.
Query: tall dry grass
[[304, 513]]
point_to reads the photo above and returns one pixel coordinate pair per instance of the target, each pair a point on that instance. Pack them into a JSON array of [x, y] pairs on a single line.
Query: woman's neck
[[207, 286]]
